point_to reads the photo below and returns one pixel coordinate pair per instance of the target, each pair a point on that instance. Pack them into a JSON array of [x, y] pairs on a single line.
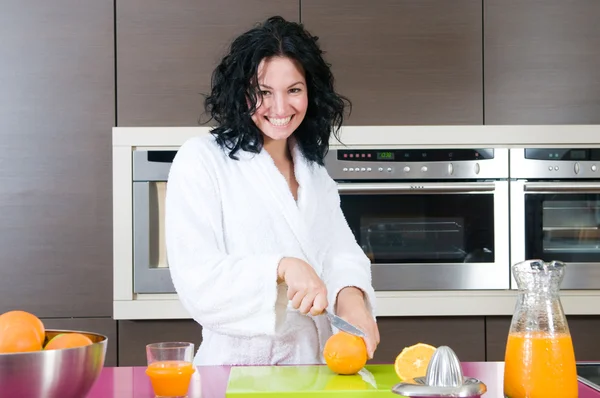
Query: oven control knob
[[450, 169], [380, 169], [389, 169], [594, 168], [477, 168], [406, 169], [351, 169], [424, 169], [576, 168], [345, 169]]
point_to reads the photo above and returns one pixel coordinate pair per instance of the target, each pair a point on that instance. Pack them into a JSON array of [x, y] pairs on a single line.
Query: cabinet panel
[[134, 335], [56, 115], [167, 50], [105, 326], [542, 64], [465, 335], [403, 62], [584, 332]]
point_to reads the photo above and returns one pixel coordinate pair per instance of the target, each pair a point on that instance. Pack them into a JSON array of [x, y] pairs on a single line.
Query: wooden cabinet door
[[134, 335], [542, 64], [56, 113], [167, 50], [403, 62], [465, 335]]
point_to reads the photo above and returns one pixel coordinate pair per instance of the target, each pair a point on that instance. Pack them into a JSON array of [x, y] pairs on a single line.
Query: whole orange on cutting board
[[345, 354], [413, 361]]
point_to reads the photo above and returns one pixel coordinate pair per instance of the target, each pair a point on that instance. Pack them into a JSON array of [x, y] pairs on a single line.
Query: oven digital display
[[385, 155], [562, 154]]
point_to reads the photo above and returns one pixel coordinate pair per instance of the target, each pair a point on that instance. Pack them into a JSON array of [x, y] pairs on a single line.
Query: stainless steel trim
[[585, 381], [382, 188], [453, 276], [348, 170], [562, 187], [145, 170], [145, 278], [517, 226]]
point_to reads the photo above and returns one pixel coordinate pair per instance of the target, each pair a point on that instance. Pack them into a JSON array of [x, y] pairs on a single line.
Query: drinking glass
[[170, 368]]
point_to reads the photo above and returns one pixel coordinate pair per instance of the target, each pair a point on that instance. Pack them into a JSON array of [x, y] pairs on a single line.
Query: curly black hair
[[235, 93]]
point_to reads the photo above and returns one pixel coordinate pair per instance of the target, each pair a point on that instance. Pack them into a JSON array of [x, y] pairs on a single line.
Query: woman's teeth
[[279, 122]]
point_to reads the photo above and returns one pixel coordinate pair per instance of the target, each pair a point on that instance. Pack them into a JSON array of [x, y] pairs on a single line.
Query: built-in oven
[[429, 219], [555, 210], [150, 266]]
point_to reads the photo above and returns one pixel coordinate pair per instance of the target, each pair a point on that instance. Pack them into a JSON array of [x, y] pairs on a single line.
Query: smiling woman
[[256, 240]]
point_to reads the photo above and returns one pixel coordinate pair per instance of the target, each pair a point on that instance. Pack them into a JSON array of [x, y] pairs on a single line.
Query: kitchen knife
[[343, 325]]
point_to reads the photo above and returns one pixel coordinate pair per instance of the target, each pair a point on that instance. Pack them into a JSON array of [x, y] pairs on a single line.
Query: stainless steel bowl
[[68, 373]]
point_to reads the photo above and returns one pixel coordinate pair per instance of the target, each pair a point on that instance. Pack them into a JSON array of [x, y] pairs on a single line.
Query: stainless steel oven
[[555, 210], [429, 219], [150, 266]]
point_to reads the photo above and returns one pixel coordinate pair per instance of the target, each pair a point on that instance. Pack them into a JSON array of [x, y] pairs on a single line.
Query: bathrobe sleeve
[[346, 263], [230, 294]]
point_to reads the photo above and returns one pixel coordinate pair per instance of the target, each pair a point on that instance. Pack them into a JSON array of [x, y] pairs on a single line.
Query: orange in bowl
[[413, 361], [345, 354], [19, 337], [68, 340], [15, 317]]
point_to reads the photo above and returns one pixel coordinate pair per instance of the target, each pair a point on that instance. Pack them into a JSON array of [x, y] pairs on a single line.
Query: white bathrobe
[[228, 224]]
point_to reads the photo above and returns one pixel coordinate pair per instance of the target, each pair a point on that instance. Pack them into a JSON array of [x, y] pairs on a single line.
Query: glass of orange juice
[[170, 368]]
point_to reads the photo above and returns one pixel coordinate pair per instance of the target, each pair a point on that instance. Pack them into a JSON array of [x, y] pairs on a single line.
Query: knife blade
[[343, 325]]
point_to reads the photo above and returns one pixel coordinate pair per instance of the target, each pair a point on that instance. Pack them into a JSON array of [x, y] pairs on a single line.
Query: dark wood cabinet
[[167, 50], [465, 335], [410, 62], [542, 64], [56, 115], [134, 335], [105, 326], [584, 332]]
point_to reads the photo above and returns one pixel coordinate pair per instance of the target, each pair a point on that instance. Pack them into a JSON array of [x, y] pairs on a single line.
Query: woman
[[257, 244]]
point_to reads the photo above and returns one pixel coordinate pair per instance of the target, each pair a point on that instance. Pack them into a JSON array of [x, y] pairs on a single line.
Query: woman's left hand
[[351, 307]]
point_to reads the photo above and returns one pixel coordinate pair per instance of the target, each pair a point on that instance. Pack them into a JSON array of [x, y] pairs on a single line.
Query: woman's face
[[284, 97]]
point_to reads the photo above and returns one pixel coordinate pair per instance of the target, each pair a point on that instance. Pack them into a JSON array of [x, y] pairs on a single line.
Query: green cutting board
[[314, 381]]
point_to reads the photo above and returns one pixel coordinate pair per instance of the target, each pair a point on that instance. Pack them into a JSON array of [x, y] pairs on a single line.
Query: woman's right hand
[[305, 289]]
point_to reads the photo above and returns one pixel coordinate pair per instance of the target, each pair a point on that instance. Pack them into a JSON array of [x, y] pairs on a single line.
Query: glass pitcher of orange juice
[[539, 358]]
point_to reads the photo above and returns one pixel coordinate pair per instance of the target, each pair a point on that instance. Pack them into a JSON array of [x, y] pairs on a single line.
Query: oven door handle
[[559, 187], [414, 188]]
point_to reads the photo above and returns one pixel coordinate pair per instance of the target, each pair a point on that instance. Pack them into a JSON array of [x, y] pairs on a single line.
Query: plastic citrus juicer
[[444, 379]]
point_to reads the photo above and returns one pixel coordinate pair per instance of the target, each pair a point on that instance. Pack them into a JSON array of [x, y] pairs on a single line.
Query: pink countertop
[[211, 382]]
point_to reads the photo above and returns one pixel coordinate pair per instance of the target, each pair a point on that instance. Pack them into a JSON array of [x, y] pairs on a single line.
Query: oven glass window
[[427, 228], [563, 227]]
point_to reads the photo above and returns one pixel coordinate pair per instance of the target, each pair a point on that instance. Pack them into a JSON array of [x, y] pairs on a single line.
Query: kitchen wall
[[72, 69]]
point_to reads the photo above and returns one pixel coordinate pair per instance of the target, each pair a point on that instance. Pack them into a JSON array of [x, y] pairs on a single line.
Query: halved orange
[[413, 361]]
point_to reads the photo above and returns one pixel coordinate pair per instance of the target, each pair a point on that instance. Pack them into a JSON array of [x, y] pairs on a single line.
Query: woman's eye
[[264, 93], [295, 90]]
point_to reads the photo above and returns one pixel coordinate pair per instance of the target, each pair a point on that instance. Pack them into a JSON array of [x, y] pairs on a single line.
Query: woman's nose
[[279, 105]]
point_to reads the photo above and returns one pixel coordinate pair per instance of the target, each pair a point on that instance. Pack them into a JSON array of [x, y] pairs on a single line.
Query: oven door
[[151, 272], [431, 236], [559, 221]]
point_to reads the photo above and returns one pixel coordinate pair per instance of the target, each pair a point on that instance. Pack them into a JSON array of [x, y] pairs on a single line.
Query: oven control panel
[[417, 164], [555, 163]]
